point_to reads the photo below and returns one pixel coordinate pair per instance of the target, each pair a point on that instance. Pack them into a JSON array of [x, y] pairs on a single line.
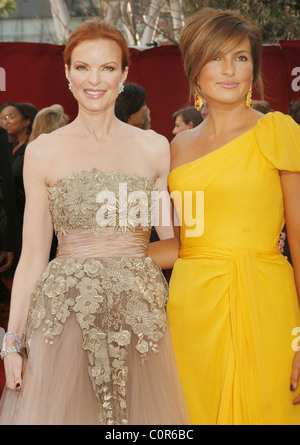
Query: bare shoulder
[[158, 141], [158, 148], [38, 149], [153, 143], [42, 147], [255, 116], [150, 137], [182, 138], [40, 156], [180, 145]]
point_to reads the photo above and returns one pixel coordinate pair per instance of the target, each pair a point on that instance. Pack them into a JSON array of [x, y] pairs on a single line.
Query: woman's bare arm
[[165, 251], [291, 195], [37, 238]]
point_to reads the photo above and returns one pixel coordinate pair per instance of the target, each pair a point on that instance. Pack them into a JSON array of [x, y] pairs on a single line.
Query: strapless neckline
[[94, 200], [101, 172]]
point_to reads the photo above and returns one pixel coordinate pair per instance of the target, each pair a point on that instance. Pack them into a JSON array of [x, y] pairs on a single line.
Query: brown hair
[[294, 111], [207, 32], [189, 114], [94, 29], [261, 105]]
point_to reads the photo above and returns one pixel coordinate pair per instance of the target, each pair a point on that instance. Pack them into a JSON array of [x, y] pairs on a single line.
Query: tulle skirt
[[99, 349]]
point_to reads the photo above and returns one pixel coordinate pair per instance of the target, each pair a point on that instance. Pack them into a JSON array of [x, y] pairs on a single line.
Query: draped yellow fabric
[[232, 299]]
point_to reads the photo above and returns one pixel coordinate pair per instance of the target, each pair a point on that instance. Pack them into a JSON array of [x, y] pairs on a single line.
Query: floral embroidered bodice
[[92, 210]]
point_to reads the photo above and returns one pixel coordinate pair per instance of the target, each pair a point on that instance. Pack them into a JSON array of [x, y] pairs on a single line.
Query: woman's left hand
[[295, 376]]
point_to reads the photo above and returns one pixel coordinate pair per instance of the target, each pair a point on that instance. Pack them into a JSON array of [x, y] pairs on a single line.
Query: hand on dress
[[295, 376], [7, 258], [280, 241], [13, 370]]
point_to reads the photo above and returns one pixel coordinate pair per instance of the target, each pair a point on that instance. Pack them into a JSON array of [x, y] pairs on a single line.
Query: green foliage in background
[[278, 19], [7, 7]]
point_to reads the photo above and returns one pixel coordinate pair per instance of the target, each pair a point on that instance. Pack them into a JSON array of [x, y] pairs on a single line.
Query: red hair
[[94, 29]]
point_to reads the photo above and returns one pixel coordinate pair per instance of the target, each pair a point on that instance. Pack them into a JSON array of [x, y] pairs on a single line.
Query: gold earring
[[249, 96], [198, 102]]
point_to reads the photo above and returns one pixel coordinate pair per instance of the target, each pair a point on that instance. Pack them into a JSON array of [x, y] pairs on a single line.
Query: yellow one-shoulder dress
[[233, 304]]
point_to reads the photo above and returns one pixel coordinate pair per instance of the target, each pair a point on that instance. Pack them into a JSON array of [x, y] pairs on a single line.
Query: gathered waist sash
[[209, 250], [79, 243]]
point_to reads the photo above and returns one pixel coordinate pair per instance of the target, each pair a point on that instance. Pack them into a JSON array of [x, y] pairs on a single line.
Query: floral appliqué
[[118, 302], [94, 200]]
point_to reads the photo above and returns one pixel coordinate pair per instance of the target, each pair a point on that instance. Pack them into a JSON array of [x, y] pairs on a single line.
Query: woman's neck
[[96, 124], [226, 119]]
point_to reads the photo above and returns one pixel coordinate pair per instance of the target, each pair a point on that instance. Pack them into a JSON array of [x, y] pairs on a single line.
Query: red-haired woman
[[93, 320]]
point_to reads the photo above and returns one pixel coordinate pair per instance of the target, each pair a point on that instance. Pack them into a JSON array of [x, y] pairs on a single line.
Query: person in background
[[7, 241], [294, 111], [262, 106], [131, 106], [147, 120], [17, 119], [11, 138], [185, 119], [47, 120]]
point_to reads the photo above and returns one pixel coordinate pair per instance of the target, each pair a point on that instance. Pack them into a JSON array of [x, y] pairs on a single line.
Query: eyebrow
[[103, 64], [241, 51]]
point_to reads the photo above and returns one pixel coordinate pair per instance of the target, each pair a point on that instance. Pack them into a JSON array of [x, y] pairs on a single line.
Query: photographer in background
[[7, 205]]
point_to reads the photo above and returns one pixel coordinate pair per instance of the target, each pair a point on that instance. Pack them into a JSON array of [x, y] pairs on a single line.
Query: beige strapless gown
[[97, 336]]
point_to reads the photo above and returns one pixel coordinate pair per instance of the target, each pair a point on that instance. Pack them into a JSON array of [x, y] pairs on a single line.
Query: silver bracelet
[[5, 351], [13, 335]]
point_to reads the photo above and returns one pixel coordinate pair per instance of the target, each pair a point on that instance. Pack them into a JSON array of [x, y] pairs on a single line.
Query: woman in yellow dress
[[233, 307]]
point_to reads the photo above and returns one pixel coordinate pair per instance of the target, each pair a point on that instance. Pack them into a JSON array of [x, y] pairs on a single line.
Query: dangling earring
[[70, 86], [249, 96], [121, 88], [198, 102]]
